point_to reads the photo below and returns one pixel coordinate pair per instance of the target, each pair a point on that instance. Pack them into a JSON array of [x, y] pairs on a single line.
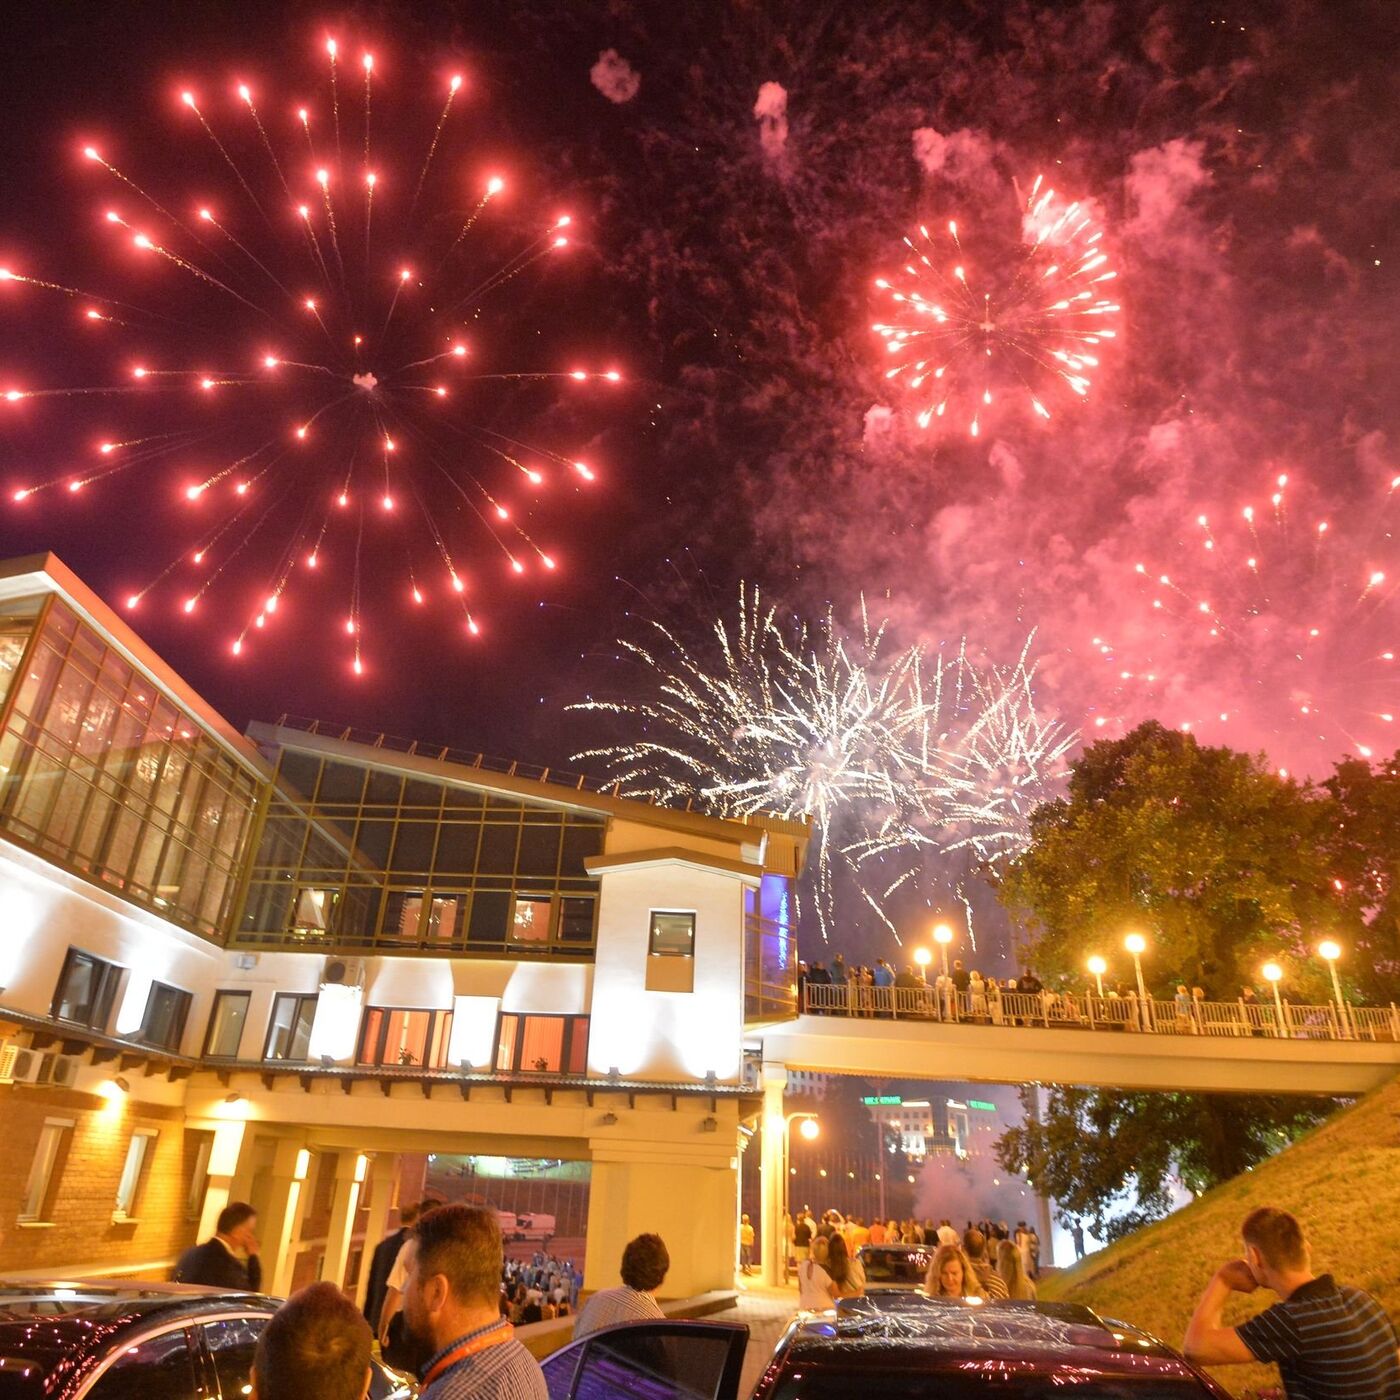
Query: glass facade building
[[354, 857], [102, 772]]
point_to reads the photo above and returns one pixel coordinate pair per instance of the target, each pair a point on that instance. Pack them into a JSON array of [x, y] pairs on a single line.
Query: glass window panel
[[577, 1062], [269, 907], [498, 844], [444, 917], [529, 919], [87, 986], [542, 1043], [60, 622], [359, 910], [441, 1039], [159, 1369], [98, 725], [539, 849], [289, 1030], [61, 828], [576, 919], [164, 1021], [383, 789], [371, 1034], [489, 913], [299, 771], [456, 849], [505, 1045], [226, 1022], [116, 673], [232, 1343], [373, 841], [417, 793], [672, 934], [12, 645], [462, 799], [402, 910], [136, 1151], [39, 780], [64, 718], [38, 679], [38, 1187], [89, 842], [313, 910], [340, 782], [413, 846], [580, 842]]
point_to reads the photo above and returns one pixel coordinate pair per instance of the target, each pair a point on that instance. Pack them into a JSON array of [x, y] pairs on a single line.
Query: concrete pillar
[[231, 1142], [350, 1168], [383, 1167], [685, 1190], [772, 1171], [287, 1189]]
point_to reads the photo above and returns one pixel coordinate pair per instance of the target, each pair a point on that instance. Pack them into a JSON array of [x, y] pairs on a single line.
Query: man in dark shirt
[[1330, 1341], [382, 1262], [215, 1263]]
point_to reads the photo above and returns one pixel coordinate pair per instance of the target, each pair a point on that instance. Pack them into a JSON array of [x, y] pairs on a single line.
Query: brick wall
[[80, 1233]]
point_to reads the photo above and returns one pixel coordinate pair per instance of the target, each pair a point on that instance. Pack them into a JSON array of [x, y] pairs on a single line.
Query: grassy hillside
[[1342, 1181]]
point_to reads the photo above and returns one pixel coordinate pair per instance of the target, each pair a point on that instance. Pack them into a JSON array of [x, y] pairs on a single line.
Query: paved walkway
[[768, 1312]]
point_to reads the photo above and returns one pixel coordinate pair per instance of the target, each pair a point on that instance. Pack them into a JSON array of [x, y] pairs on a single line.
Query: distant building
[[924, 1127]]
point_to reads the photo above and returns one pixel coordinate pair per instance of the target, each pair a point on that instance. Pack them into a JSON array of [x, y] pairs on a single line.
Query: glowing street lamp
[[1273, 975], [922, 956], [1098, 967], [943, 936], [810, 1130], [1331, 951], [1136, 944]]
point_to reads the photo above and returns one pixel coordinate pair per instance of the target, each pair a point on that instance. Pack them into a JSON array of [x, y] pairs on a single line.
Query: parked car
[[890, 1267], [898, 1346], [137, 1341]]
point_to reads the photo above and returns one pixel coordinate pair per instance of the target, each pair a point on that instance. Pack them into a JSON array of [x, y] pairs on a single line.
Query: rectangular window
[[163, 1025], [444, 912], [314, 908], [226, 1022], [289, 1031], [87, 987], [672, 934], [203, 1144], [138, 1150], [38, 1189], [577, 916], [396, 1036], [529, 918], [547, 1044]]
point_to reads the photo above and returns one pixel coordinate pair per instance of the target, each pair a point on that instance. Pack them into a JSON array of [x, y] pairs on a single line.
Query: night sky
[[738, 174]]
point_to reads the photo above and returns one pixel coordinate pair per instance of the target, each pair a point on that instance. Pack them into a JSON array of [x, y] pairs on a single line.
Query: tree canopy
[[1218, 859]]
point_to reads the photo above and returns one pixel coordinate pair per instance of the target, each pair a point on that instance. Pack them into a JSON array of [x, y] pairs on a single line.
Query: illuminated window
[[39, 1188], [314, 908], [398, 1036], [548, 1044], [672, 934], [289, 1031], [163, 1025], [87, 987], [138, 1150], [443, 916], [226, 1022], [529, 919]]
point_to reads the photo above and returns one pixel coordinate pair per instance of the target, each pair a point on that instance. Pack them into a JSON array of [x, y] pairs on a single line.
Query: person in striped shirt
[[645, 1262], [1330, 1341]]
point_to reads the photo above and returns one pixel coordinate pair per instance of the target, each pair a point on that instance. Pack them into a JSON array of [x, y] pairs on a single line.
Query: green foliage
[[1108, 1158], [1217, 859]]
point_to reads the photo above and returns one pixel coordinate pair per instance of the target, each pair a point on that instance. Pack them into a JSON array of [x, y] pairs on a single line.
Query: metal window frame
[[297, 997], [219, 993], [566, 1043], [652, 950]]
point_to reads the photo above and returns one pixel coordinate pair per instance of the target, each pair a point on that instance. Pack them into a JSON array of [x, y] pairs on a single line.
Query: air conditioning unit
[[343, 972], [245, 962], [61, 1070], [28, 1065]]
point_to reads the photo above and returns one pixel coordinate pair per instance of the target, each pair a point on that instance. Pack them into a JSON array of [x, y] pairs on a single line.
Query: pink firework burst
[[967, 330], [314, 370]]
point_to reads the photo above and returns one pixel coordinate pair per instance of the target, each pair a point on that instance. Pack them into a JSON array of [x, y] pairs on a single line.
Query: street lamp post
[[1136, 944], [810, 1129], [943, 936], [1273, 975], [1098, 967], [1331, 951]]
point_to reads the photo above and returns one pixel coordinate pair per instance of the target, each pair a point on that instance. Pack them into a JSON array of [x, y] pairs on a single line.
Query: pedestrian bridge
[[1222, 1047]]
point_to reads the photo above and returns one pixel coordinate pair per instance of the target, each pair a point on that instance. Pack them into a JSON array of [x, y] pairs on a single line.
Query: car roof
[[911, 1329], [54, 1327]]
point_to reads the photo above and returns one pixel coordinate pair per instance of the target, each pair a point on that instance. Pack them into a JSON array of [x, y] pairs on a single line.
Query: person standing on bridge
[[1330, 1341]]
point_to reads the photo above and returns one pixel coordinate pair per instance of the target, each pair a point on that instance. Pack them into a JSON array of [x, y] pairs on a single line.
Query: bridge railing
[[1066, 1010]]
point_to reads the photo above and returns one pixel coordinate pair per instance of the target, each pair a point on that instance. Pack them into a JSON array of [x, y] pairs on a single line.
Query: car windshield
[[906, 1383], [894, 1268]]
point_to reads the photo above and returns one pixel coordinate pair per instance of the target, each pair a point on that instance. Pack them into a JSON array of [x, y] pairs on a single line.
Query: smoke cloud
[[614, 77], [771, 111]]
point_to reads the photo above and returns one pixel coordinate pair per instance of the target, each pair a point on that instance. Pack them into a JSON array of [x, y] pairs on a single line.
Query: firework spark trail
[[883, 754], [310, 386], [1040, 324], [1245, 590]]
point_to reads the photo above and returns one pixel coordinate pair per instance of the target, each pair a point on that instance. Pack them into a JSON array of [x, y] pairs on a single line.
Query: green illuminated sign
[[883, 1099], [982, 1104]]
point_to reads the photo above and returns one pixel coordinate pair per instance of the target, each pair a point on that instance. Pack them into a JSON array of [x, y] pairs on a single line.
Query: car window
[[650, 1362], [231, 1342], [385, 1384], [909, 1383], [160, 1368]]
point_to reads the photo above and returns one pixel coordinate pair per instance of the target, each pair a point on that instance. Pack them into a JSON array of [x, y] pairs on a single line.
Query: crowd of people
[[966, 994], [1327, 1338], [539, 1289], [825, 1254]]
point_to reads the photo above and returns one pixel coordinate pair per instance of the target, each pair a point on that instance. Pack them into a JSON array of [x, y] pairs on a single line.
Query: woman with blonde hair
[[951, 1275], [846, 1272], [815, 1290], [1012, 1272]]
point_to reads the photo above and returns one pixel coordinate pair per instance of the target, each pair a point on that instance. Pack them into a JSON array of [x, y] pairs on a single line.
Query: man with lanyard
[[451, 1309], [1330, 1341]]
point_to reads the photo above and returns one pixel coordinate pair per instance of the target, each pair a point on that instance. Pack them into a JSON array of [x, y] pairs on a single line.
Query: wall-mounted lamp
[[327, 1061], [233, 1098], [122, 1084], [465, 1066], [711, 1079], [709, 1125], [608, 1119], [614, 1072]]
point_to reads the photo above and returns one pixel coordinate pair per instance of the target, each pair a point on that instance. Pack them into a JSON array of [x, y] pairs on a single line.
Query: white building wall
[[668, 1035]]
